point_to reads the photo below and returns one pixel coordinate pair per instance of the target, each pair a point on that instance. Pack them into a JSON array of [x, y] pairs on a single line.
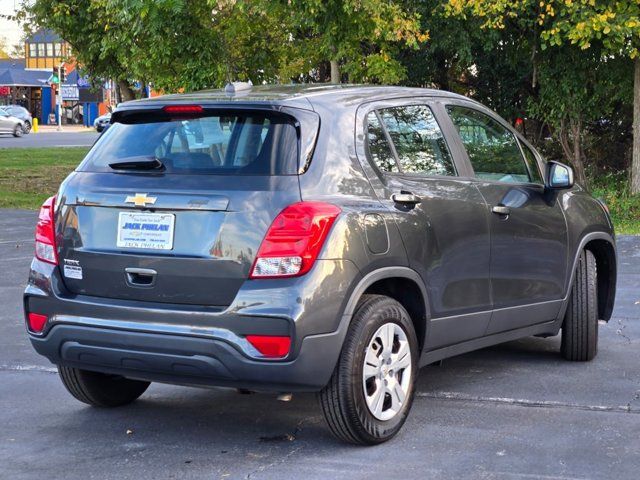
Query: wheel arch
[[403, 285], [602, 245], [606, 266]]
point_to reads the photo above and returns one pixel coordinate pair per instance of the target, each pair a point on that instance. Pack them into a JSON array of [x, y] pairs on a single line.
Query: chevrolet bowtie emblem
[[141, 199]]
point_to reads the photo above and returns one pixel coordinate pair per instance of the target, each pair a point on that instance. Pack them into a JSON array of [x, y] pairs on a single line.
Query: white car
[[102, 122], [11, 124]]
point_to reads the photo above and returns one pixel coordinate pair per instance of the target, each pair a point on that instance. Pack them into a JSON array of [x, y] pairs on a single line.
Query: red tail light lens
[[183, 109], [36, 322], [46, 233], [270, 346], [294, 240]]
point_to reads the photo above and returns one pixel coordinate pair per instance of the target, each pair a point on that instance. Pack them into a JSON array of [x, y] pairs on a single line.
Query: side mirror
[[559, 176]]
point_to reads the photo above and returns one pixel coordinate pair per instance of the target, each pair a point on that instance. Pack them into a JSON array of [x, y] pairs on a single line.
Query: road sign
[[70, 92]]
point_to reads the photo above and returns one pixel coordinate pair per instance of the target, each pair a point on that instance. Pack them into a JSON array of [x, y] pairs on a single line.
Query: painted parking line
[[520, 402], [27, 368], [12, 259], [4, 242]]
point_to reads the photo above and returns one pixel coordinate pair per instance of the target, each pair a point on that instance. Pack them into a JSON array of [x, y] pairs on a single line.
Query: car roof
[[300, 95]]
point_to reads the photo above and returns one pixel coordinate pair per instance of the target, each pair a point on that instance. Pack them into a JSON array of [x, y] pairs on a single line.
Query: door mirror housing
[[559, 176]]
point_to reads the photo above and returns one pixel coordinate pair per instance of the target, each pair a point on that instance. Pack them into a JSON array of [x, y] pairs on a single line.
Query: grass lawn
[[29, 175]]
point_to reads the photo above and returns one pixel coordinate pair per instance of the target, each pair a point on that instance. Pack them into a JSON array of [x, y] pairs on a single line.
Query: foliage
[[363, 35], [577, 51], [614, 23], [624, 208], [209, 42]]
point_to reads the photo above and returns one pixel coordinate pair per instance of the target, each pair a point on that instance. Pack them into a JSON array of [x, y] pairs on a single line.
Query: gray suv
[[311, 238]]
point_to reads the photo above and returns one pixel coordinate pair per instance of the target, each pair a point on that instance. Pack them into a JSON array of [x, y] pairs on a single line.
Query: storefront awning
[[16, 77]]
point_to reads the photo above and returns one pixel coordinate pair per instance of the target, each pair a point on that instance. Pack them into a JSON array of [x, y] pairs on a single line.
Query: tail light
[[270, 346], [46, 233], [178, 112], [294, 240]]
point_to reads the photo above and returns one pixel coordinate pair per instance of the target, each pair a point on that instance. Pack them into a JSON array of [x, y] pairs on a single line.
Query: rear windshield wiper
[[150, 163]]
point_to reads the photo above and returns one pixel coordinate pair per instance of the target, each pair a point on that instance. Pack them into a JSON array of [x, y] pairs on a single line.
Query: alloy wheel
[[386, 377]]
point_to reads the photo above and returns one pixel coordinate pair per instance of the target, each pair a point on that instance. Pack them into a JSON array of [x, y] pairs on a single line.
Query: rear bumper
[[197, 345], [186, 360]]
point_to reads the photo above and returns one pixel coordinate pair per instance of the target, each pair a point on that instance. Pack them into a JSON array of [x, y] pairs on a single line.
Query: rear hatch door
[[167, 209]]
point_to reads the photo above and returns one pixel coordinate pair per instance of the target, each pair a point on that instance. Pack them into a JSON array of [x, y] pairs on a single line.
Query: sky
[[9, 30]]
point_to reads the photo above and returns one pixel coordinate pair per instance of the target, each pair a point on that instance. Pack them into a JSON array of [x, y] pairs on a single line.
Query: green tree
[[359, 38], [84, 24], [609, 29]]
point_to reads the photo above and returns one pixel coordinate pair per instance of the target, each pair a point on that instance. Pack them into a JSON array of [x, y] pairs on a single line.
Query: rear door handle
[[406, 198], [501, 210], [140, 277]]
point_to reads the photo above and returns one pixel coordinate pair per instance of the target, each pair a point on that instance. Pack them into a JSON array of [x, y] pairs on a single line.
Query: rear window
[[240, 143]]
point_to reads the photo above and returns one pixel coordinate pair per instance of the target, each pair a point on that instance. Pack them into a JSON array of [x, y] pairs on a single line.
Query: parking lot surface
[[514, 411]]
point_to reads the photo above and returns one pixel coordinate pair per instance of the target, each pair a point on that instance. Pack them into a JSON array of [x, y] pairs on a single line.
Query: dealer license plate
[[152, 231]]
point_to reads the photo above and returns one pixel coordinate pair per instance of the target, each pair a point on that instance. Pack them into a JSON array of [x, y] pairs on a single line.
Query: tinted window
[[492, 148], [379, 148], [418, 141], [532, 163], [229, 144]]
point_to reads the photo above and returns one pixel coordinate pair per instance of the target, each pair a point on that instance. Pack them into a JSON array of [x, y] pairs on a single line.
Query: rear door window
[[493, 150], [241, 143], [418, 142], [379, 148]]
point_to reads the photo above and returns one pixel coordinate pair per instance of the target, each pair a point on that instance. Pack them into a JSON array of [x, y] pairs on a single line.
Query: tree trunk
[[571, 142], [126, 93], [635, 157], [335, 72], [578, 160]]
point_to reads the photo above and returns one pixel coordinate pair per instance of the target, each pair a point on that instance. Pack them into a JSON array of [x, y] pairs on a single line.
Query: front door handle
[[406, 198], [501, 210]]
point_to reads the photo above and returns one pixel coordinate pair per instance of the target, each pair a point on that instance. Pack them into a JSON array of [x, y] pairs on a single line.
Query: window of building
[[32, 50], [49, 50], [40, 50], [493, 150]]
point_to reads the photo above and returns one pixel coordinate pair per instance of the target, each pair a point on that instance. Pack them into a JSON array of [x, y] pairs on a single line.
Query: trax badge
[[140, 200]]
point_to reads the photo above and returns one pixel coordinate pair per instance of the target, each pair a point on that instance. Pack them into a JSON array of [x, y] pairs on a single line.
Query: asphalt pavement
[[514, 411], [50, 139]]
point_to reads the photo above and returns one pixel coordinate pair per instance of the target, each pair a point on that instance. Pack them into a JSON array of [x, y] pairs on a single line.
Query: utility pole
[[59, 98]]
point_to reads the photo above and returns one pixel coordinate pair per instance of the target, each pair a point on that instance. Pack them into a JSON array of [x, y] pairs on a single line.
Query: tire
[[344, 401], [27, 127], [18, 131], [100, 389], [580, 326]]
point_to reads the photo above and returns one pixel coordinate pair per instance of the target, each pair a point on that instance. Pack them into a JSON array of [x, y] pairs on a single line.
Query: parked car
[[21, 113], [311, 238], [102, 122], [11, 124]]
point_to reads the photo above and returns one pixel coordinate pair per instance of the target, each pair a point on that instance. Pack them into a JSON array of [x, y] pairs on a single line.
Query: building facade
[[45, 50], [27, 82]]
